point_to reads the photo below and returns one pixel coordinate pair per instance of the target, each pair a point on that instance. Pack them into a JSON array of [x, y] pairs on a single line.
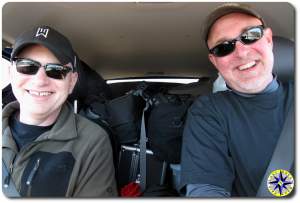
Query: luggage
[[129, 167], [165, 125], [124, 117], [149, 127], [121, 115]]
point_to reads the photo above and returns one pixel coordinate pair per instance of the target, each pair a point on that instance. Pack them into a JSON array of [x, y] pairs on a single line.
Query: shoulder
[[10, 109], [290, 85], [91, 133], [85, 126], [82, 125], [287, 89], [287, 84], [212, 101]]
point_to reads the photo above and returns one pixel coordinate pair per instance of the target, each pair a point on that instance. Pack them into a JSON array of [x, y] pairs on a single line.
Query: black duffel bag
[[165, 125], [124, 117], [121, 115]]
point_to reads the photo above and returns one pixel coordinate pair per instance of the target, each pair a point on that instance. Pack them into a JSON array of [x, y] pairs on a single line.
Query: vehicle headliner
[[136, 39]]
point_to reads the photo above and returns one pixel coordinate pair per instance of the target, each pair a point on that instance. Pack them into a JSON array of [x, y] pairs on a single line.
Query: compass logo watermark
[[280, 183]]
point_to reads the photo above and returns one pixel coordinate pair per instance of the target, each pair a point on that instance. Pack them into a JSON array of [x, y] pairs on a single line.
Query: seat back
[[284, 58]]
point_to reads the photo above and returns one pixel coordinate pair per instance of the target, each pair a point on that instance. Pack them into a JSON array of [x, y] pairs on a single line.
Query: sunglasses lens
[[30, 67], [248, 37], [252, 35], [57, 71], [27, 66], [223, 49]]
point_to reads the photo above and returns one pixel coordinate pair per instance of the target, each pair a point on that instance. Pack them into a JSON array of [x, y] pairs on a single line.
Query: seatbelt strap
[[143, 155], [283, 155], [8, 185]]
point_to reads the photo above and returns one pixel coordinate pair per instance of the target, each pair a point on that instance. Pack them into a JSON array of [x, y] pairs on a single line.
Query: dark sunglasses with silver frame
[[249, 36], [31, 67]]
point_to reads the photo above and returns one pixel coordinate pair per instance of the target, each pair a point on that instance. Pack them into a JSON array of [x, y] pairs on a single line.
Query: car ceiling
[[136, 39]]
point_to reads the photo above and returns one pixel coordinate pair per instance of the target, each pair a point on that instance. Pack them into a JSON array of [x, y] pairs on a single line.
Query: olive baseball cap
[[225, 9], [44, 35]]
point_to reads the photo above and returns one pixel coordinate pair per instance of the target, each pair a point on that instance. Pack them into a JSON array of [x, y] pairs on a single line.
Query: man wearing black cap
[[230, 136], [47, 149]]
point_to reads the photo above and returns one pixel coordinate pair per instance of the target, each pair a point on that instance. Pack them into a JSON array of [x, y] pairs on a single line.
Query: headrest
[[284, 58]]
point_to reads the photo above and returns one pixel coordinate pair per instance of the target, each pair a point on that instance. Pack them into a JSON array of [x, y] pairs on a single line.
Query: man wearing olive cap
[[230, 136]]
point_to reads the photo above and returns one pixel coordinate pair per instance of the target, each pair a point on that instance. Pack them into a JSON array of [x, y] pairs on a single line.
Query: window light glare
[[166, 80]]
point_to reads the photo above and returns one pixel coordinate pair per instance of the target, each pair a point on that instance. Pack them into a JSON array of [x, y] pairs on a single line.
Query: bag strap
[[140, 91], [8, 186], [143, 148], [283, 155]]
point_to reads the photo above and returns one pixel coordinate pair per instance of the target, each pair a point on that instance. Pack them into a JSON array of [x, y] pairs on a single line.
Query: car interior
[[140, 41]]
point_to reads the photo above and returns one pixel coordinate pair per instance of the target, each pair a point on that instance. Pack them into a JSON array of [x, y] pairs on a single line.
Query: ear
[[269, 36], [9, 71], [74, 78], [212, 59]]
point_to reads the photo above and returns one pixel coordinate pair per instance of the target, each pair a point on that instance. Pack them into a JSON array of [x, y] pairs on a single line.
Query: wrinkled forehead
[[230, 26]]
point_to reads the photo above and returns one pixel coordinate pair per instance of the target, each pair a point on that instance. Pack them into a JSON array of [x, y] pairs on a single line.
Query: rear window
[[4, 74]]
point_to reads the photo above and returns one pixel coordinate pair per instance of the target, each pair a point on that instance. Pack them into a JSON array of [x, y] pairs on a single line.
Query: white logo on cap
[[42, 32]]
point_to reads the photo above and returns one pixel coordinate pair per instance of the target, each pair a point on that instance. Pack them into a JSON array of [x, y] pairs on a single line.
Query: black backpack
[[165, 125]]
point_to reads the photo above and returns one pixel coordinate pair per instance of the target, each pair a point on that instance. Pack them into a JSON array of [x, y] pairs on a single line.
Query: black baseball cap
[[225, 9], [44, 35]]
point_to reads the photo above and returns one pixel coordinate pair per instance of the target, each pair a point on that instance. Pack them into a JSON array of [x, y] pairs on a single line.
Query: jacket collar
[[65, 127]]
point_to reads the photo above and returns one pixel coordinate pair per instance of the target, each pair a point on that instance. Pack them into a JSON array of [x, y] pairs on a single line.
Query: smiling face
[[248, 68], [40, 97]]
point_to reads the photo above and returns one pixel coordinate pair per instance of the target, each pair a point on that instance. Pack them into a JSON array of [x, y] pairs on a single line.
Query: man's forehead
[[31, 47], [233, 22], [37, 51]]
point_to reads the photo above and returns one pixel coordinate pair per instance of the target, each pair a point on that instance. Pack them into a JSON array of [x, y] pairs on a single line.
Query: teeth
[[248, 65], [44, 93], [39, 93]]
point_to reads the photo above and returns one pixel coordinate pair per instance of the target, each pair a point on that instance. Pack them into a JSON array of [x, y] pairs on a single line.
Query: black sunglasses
[[249, 36], [31, 67]]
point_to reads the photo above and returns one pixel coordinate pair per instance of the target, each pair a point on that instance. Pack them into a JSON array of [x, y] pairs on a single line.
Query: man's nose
[[241, 50], [41, 78]]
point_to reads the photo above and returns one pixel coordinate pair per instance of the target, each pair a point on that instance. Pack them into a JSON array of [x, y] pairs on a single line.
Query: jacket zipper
[[8, 177], [15, 159], [31, 176], [10, 172]]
